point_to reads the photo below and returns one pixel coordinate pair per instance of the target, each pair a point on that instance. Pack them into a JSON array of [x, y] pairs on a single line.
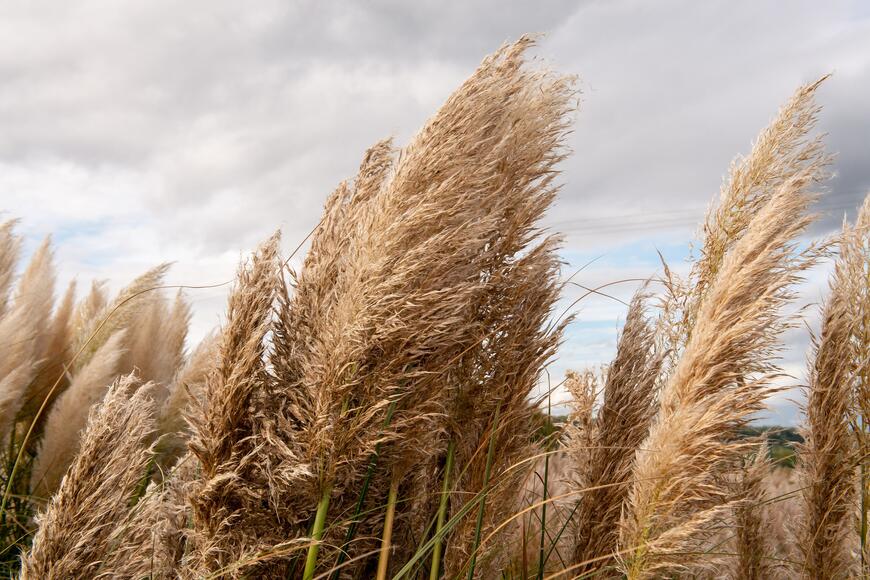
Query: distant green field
[[781, 440]]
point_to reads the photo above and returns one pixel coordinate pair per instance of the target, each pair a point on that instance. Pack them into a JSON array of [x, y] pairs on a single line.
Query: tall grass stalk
[[478, 528], [317, 534], [363, 494], [755, 559], [400, 361], [434, 570], [229, 500], [74, 538], [676, 499], [450, 525], [859, 260], [387, 537], [542, 558], [828, 461], [602, 449]]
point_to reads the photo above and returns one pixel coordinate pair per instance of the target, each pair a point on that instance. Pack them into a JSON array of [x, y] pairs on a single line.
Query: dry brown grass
[[10, 248], [409, 281], [755, 560], [58, 359], [69, 415], [185, 389], [783, 152], [229, 500], [604, 459], [94, 497], [784, 513], [830, 458], [721, 378], [151, 540], [857, 254], [314, 428], [25, 331]]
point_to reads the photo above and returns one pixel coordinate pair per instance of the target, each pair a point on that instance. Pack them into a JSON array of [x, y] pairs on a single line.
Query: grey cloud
[[270, 108], [674, 91], [93, 82], [266, 108]]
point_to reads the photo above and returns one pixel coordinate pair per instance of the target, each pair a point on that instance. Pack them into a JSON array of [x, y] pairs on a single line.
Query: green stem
[[360, 502], [451, 523], [142, 487], [387, 538], [482, 508], [317, 533], [555, 540], [442, 514]]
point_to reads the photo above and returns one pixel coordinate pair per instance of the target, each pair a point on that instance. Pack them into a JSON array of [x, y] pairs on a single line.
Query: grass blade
[[482, 507], [351, 530], [442, 515], [542, 560]]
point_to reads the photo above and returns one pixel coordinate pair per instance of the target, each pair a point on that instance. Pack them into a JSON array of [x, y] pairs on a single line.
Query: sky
[[148, 131]]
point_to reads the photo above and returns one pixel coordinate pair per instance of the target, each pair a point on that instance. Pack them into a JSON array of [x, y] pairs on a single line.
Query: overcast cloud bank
[[141, 132]]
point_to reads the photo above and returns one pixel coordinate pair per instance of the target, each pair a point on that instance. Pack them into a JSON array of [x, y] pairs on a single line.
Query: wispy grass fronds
[[150, 542], [231, 516], [10, 248], [857, 256], [391, 309], [722, 377], [54, 360], [304, 403], [24, 333], [522, 112], [155, 341], [584, 388], [621, 425], [185, 391], [503, 376], [755, 558], [94, 498], [46, 395], [69, 416], [88, 308], [97, 326], [379, 413], [828, 459], [784, 151], [319, 346]]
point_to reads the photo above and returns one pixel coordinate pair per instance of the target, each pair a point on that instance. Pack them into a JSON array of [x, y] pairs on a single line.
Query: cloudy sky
[[141, 132]]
